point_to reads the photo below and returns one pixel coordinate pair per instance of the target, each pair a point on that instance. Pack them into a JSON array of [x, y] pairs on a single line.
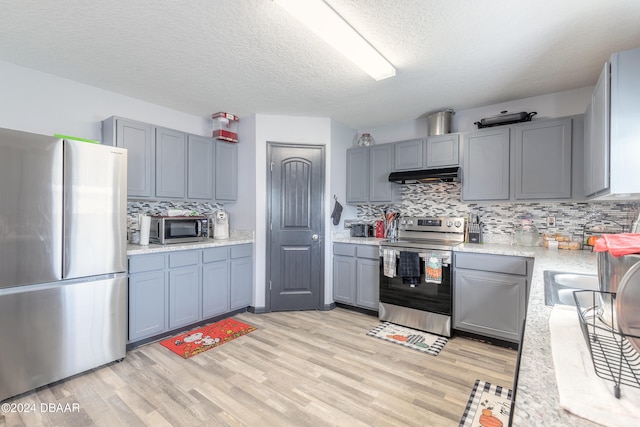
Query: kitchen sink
[[559, 287]]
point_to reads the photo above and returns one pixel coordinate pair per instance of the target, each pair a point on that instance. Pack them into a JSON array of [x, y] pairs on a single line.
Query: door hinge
[[272, 165], [271, 226], [269, 284]]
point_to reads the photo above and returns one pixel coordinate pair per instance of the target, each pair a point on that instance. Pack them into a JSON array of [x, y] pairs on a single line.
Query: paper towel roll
[[145, 223]]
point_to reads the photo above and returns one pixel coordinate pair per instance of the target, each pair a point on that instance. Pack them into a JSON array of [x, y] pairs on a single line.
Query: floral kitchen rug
[[488, 406], [417, 340], [206, 337]]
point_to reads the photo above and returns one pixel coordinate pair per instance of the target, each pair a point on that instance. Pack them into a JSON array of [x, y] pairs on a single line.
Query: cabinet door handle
[[315, 237]]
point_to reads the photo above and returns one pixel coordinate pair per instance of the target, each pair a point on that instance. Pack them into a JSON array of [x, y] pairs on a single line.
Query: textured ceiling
[[250, 56]]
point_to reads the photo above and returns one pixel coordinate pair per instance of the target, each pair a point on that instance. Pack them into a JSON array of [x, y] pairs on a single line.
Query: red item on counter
[[380, 229], [618, 244]]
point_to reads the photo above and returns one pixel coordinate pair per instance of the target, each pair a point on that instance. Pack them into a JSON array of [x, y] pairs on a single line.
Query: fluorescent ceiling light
[[320, 18]]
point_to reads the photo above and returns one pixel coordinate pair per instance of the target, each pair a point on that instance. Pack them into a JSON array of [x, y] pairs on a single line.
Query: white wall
[[342, 138], [285, 129], [557, 104], [36, 102], [242, 214]]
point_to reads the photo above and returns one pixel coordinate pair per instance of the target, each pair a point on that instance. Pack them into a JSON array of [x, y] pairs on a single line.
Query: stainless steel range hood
[[426, 176]]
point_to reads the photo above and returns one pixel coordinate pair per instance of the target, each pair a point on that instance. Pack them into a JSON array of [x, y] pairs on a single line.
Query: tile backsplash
[[498, 219], [147, 207]]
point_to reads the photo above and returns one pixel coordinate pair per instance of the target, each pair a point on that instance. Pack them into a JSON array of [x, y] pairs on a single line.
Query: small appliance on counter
[[165, 230], [220, 225], [361, 229]]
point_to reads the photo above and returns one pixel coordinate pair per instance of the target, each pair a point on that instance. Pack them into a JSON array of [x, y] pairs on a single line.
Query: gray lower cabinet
[[215, 281], [172, 290], [356, 270], [148, 296], [166, 164], [490, 294], [241, 291], [486, 165], [184, 288]]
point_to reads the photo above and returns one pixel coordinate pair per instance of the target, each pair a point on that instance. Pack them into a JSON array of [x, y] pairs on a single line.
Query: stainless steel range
[[416, 273]]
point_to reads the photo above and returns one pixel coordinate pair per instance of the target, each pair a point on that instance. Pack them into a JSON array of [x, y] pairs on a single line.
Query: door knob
[[315, 237]]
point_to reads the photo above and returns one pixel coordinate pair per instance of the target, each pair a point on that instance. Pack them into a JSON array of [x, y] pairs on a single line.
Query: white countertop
[[358, 240], [238, 239]]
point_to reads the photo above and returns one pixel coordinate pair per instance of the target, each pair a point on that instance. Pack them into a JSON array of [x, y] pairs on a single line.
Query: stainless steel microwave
[[178, 229]]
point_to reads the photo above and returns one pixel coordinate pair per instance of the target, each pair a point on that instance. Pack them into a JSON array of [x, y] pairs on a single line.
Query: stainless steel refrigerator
[[63, 291]]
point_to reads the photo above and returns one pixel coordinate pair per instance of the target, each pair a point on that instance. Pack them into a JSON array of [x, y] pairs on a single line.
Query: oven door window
[[414, 292], [181, 228]]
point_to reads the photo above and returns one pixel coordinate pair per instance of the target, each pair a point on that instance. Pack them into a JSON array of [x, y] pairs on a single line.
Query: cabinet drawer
[[496, 263], [241, 251], [181, 259], [344, 249], [143, 263], [215, 254], [368, 251]]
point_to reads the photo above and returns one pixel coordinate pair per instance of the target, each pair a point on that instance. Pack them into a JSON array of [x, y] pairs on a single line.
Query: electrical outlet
[[551, 221]]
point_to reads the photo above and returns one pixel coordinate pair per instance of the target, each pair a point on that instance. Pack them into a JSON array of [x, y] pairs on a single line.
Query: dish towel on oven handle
[[389, 260], [409, 264], [433, 270]]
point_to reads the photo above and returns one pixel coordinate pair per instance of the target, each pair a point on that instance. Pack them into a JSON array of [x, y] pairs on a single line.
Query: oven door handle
[[445, 259]]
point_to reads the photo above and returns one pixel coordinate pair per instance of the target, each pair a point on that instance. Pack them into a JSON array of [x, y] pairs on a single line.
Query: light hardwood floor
[[312, 368]]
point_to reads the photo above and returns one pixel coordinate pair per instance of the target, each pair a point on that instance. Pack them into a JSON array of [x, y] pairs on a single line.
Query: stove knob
[[449, 224], [457, 224]]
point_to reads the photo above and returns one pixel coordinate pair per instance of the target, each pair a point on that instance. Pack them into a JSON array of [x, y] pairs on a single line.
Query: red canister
[[380, 229]]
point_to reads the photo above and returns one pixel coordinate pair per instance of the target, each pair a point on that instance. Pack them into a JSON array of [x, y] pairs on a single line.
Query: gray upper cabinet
[[408, 155], [380, 166], [200, 168], [358, 175], [597, 151], [486, 164], [139, 140], [166, 164], [543, 160], [368, 170], [442, 151], [226, 171], [171, 164], [612, 157]]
